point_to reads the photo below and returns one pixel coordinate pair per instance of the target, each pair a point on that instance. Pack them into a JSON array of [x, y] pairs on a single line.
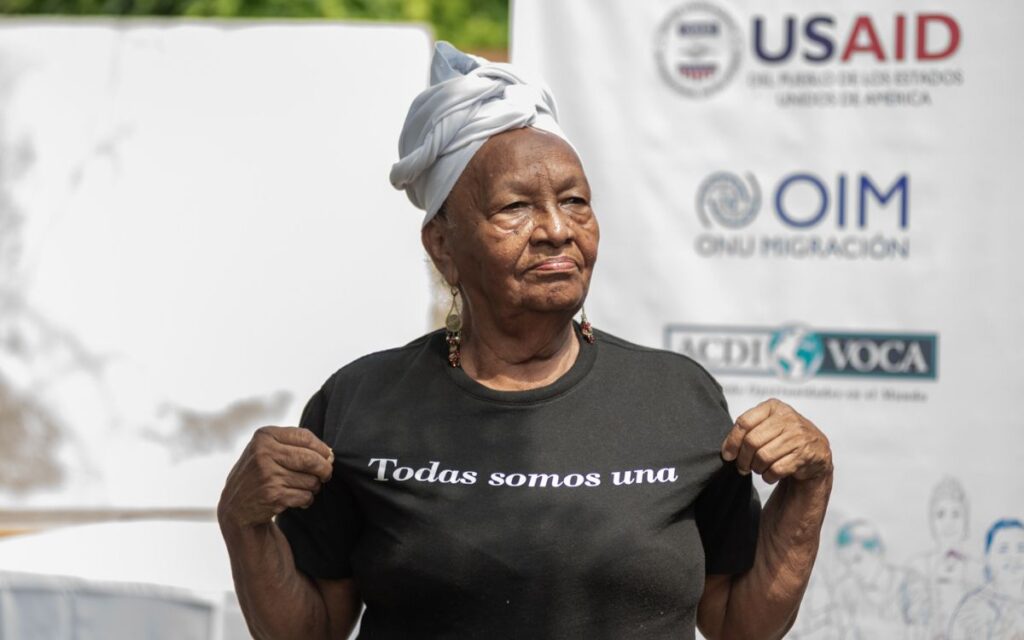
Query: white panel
[[197, 229]]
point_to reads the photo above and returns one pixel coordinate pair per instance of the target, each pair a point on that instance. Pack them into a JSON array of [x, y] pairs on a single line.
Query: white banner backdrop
[[196, 229], [818, 201]]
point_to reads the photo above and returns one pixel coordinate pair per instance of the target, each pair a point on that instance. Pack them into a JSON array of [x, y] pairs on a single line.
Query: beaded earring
[[452, 329], [585, 329]]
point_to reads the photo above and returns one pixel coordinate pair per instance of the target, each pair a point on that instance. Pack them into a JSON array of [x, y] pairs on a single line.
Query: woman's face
[[1006, 561], [862, 553], [948, 520], [518, 233]]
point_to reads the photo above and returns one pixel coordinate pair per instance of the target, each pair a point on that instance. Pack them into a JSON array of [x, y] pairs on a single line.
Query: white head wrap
[[469, 100]]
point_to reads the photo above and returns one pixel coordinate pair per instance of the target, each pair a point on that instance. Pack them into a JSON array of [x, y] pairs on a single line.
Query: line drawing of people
[[995, 610], [948, 570], [876, 599], [819, 617]]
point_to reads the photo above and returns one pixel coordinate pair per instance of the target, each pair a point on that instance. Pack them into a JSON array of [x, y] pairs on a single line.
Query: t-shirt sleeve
[[727, 513], [323, 535]]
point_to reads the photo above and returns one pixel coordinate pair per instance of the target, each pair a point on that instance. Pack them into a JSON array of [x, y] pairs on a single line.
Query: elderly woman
[[518, 475]]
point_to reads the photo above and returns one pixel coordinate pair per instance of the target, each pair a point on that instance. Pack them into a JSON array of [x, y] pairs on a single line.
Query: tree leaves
[[468, 24]]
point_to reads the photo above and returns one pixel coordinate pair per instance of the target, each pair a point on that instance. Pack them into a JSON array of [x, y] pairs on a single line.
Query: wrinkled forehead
[[522, 156]]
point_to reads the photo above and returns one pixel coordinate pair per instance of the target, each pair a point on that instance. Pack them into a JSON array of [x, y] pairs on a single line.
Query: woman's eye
[[576, 200], [513, 206]]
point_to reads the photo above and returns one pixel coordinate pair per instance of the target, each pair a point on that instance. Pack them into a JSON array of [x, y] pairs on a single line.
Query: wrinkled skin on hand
[[281, 467], [775, 441]]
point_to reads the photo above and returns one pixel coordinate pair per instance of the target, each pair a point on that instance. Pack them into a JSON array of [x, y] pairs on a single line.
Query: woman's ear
[[437, 240]]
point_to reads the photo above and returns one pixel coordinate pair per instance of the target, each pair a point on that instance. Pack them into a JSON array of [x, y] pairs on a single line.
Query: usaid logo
[[798, 353], [821, 38], [697, 47]]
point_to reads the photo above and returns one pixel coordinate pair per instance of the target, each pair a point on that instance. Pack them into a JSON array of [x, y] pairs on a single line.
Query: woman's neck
[[516, 356]]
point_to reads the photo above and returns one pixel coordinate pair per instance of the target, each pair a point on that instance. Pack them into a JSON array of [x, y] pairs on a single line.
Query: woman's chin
[[565, 300]]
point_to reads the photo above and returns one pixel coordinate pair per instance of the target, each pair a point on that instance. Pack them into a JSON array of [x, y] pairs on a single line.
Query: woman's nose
[[552, 225]]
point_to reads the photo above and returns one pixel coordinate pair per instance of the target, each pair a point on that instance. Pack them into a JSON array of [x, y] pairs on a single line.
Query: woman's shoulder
[[387, 363], [654, 361]]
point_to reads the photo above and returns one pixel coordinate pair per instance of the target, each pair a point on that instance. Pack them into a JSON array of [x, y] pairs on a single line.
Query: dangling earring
[[453, 326], [585, 328]]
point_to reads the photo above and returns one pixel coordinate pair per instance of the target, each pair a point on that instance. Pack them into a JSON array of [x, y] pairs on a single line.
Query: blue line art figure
[[995, 610], [875, 598], [947, 569]]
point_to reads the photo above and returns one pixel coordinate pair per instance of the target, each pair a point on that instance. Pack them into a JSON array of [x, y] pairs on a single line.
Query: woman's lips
[[556, 264]]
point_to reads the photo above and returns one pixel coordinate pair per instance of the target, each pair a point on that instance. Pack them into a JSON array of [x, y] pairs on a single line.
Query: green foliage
[[469, 24]]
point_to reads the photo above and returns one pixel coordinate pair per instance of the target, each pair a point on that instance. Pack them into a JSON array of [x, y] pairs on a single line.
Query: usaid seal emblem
[[727, 199], [698, 49]]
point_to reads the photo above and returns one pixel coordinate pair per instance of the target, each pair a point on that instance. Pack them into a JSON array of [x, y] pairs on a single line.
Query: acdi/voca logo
[[797, 353]]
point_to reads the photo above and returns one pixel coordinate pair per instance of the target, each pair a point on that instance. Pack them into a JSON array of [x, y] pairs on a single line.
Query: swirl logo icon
[[698, 49], [728, 199], [796, 352]]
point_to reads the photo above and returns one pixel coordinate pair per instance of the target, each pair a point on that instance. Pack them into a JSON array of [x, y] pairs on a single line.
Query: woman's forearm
[[280, 468], [278, 601], [763, 602]]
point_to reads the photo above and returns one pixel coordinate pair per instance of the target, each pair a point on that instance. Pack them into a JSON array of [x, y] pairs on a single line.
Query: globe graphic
[[796, 352]]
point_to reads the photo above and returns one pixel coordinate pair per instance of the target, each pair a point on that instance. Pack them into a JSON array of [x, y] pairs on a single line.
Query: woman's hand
[[775, 441], [281, 467]]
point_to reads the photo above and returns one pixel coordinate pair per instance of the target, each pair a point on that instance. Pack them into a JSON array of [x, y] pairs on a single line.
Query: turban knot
[[469, 100]]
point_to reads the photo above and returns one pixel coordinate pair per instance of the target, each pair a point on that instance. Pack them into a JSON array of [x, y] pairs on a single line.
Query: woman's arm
[[279, 601], [281, 467], [774, 440]]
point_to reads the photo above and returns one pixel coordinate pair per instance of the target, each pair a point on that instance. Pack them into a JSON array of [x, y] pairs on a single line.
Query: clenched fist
[[281, 467], [772, 439]]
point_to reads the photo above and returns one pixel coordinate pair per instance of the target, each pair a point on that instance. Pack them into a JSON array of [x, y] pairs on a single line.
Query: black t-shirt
[[589, 508]]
